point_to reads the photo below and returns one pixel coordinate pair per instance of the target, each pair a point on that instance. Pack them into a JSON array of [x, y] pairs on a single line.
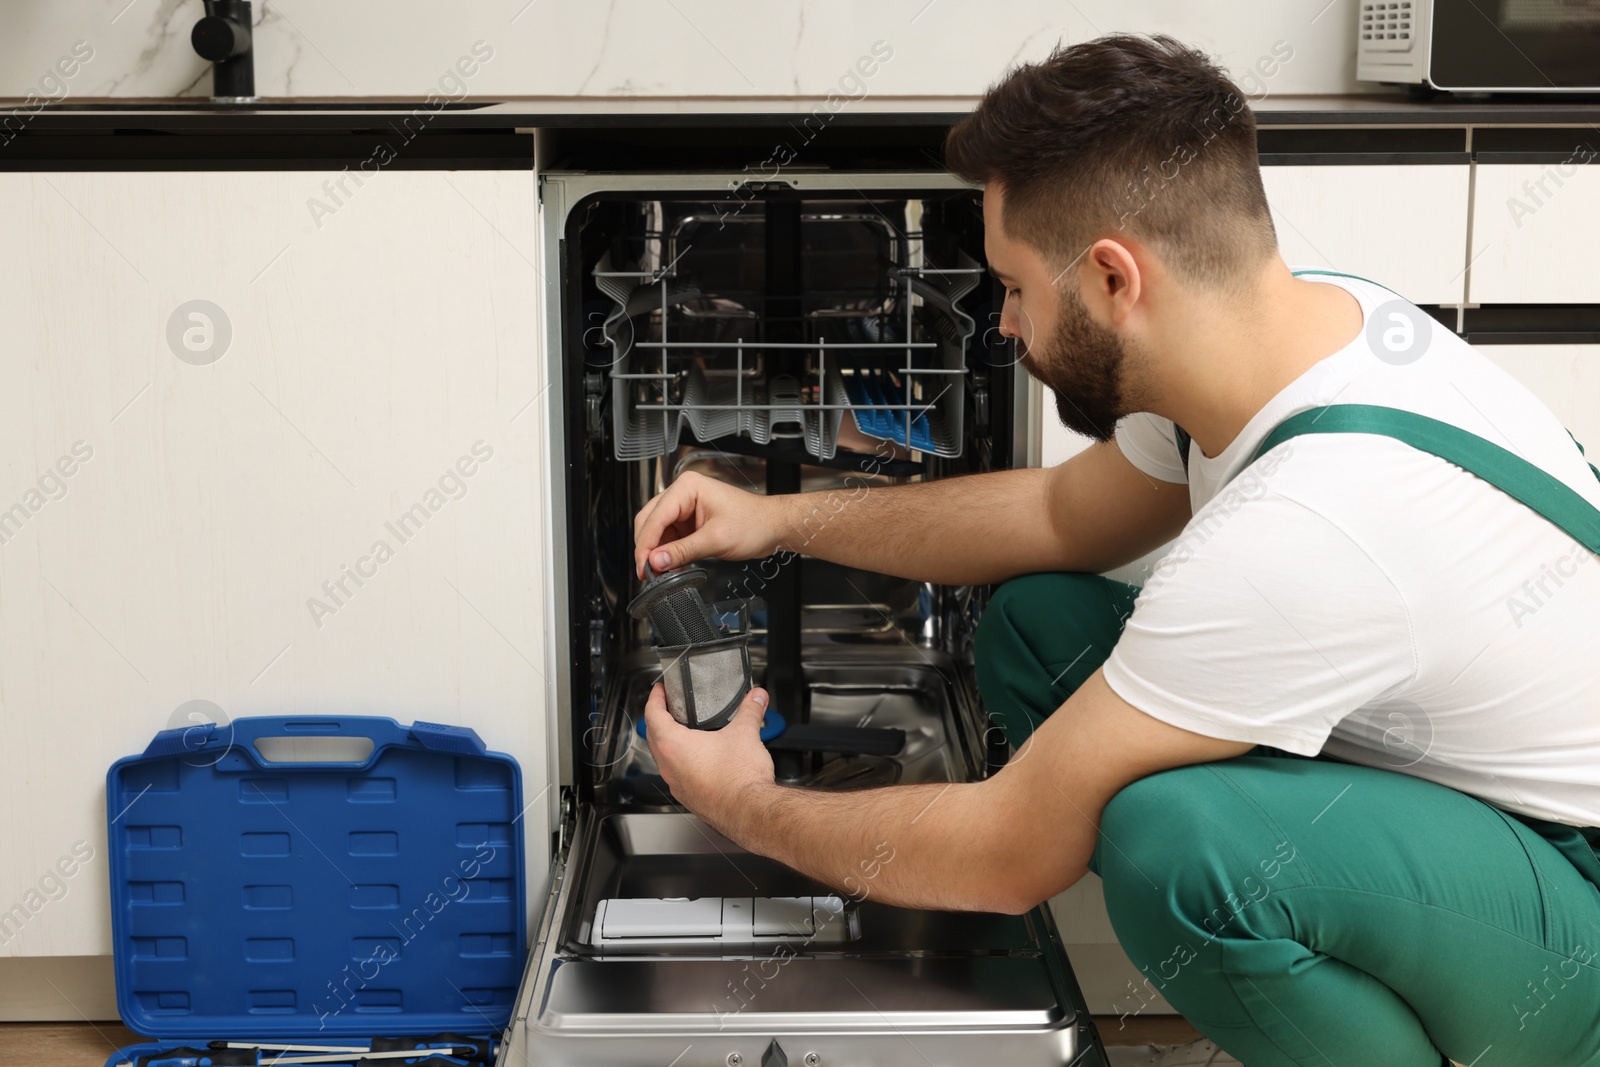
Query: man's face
[[1078, 359]]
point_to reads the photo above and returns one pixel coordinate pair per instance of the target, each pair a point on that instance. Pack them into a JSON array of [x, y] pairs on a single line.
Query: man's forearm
[[915, 846], [970, 530]]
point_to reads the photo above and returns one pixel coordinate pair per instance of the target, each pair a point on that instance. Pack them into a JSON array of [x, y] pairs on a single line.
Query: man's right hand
[[698, 517]]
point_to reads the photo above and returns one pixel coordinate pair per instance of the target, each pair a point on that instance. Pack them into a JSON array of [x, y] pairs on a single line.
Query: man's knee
[[1040, 636], [1046, 603], [1184, 853], [1001, 637], [1152, 828]]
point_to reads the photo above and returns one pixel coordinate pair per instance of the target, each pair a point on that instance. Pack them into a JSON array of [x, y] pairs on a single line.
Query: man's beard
[[1083, 365]]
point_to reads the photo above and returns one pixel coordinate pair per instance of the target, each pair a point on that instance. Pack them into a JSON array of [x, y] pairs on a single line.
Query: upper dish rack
[[909, 390]]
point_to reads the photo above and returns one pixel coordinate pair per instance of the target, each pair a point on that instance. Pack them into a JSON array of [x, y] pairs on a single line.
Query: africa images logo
[[207, 732]]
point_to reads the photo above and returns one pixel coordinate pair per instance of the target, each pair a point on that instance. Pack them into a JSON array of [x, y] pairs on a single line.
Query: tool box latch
[[179, 739], [443, 738]]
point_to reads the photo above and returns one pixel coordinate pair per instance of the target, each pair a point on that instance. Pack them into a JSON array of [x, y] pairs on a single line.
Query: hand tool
[[350, 1055], [187, 1056], [264, 1047], [475, 1049]]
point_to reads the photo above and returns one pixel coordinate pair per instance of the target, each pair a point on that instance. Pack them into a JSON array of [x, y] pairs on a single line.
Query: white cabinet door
[[317, 492], [1566, 378], [1536, 233], [1403, 226], [1112, 983], [1057, 444]]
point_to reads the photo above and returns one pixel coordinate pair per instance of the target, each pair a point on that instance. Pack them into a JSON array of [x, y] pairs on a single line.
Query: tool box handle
[[245, 734]]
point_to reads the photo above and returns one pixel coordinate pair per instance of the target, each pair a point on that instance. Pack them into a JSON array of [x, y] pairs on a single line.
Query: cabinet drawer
[[1533, 233], [1404, 226]]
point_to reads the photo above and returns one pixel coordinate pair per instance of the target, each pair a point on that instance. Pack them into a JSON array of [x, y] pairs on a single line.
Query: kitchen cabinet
[[1533, 230], [1112, 983], [194, 495], [1401, 225], [1565, 377], [1057, 444]]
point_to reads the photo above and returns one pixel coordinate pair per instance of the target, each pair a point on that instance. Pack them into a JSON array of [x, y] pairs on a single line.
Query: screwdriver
[[239, 1054], [455, 1045], [184, 1056], [285, 1048], [351, 1054]]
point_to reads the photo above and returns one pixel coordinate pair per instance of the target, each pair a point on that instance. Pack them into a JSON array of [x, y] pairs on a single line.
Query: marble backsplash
[[405, 49]]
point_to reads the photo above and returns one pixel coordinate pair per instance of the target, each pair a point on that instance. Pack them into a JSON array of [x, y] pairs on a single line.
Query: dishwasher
[[815, 331]]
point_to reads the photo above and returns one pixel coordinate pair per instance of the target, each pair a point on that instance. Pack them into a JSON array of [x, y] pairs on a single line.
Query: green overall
[[1406, 925]]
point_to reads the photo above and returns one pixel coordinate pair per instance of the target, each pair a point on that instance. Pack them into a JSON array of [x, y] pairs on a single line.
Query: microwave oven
[[1481, 46]]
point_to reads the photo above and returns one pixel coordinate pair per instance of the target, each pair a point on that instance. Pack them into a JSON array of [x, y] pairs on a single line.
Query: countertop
[[1372, 109]]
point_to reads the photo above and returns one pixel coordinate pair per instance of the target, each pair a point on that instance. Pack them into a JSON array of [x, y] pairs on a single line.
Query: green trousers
[[1310, 911]]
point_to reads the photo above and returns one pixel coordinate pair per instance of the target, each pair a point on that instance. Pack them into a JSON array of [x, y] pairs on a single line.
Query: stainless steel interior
[[674, 854], [914, 697], [909, 988]]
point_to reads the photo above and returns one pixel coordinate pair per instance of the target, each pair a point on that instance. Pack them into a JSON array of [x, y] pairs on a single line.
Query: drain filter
[[705, 670]]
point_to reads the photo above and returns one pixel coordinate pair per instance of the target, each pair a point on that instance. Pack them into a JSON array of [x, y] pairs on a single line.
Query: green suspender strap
[[1504, 470]]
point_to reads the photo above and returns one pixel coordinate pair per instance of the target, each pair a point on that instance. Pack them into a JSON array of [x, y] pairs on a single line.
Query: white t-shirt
[[1352, 595]]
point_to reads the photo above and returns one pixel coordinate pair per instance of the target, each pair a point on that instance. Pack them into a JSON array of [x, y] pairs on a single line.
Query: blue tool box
[[315, 880]]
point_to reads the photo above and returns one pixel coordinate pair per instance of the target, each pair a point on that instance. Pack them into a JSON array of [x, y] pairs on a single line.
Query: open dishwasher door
[[883, 986], [823, 332]]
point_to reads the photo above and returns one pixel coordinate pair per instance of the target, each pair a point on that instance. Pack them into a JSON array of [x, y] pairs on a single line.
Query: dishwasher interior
[[819, 333]]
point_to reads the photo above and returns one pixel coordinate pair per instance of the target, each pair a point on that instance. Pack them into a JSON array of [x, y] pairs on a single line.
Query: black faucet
[[223, 37]]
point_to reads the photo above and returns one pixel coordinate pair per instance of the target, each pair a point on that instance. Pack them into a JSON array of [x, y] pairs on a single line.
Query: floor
[[90, 1044], [62, 1044]]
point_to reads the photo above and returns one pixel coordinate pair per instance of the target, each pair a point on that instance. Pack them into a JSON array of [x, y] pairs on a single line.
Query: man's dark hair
[[1124, 134]]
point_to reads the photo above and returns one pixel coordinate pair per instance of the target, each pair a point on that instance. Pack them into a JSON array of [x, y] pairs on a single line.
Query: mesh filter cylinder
[[706, 682], [704, 671]]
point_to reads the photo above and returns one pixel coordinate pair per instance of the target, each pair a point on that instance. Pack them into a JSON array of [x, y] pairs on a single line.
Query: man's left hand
[[710, 771]]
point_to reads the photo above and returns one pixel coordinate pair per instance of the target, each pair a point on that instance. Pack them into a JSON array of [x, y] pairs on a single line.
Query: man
[[1334, 762]]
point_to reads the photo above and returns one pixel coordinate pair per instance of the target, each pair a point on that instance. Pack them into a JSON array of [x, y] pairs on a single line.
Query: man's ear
[[1111, 281]]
